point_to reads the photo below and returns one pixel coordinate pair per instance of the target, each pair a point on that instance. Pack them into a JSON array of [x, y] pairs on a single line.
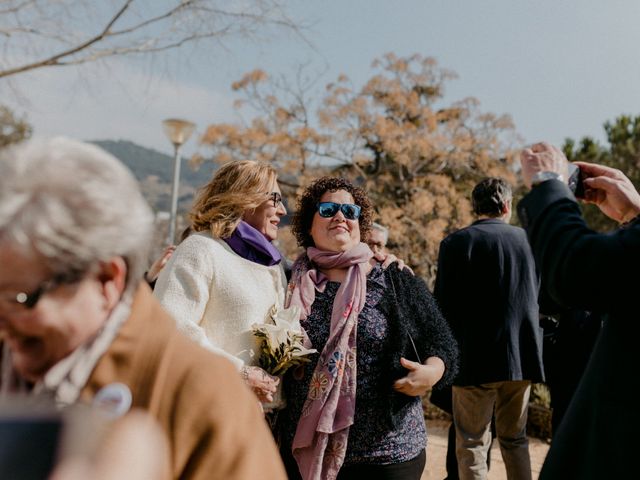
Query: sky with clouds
[[560, 68]]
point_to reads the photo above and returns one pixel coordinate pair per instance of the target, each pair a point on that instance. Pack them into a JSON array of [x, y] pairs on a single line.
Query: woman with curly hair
[[355, 411]]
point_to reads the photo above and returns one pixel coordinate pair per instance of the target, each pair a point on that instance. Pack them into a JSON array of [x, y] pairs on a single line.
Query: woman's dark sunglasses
[[329, 209], [276, 198]]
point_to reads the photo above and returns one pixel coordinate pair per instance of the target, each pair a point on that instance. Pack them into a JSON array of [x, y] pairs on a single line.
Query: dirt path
[[437, 452]]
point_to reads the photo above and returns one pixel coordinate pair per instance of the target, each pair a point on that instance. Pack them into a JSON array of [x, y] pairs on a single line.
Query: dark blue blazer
[[487, 289], [599, 272]]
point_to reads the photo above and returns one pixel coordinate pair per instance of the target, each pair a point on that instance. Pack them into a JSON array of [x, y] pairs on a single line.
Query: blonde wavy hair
[[235, 188]]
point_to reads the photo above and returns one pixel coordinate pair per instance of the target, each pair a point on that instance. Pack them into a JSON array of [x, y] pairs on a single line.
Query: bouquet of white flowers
[[281, 342]]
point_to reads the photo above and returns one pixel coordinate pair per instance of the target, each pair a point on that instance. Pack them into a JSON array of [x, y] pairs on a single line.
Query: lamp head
[[177, 130]]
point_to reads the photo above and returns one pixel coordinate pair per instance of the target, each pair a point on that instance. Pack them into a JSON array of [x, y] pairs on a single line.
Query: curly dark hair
[[490, 196], [307, 207]]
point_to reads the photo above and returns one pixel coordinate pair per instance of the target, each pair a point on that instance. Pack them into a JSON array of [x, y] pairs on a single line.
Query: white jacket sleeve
[[183, 289]]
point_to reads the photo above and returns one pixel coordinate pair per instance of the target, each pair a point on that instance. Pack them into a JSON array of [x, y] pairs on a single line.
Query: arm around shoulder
[[580, 268]]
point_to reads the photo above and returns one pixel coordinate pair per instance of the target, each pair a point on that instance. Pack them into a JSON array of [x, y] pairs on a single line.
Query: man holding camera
[[584, 269]]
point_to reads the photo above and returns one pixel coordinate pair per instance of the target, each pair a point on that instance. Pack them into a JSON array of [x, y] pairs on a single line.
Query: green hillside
[[154, 171]]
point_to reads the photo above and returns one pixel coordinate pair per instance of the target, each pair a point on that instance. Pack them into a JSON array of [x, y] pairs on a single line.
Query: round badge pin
[[114, 398]]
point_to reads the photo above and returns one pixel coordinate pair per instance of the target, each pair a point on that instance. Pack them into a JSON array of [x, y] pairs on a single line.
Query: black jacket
[[487, 288], [584, 269], [416, 320]]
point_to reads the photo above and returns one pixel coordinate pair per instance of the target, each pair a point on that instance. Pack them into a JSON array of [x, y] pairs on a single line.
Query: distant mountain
[[154, 171], [145, 162]]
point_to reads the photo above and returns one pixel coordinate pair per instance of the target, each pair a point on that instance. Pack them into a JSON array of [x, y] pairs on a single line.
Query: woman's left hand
[[421, 377], [262, 384]]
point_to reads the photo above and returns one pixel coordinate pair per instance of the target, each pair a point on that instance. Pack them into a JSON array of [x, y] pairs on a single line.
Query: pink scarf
[[320, 443]]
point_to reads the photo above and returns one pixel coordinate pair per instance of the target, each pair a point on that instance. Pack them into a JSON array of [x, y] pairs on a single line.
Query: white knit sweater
[[215, 296]]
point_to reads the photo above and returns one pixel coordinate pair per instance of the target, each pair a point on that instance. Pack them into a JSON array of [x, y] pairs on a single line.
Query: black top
[[398, 308], [369, 442]]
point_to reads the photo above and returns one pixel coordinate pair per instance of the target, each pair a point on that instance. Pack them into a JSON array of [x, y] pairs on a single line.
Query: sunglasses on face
[[329, 209], [276, 198]]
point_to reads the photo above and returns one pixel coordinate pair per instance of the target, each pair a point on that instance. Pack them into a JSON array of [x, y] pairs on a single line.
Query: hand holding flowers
[[282, 342]]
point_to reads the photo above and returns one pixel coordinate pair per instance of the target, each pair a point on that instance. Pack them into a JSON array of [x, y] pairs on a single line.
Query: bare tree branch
[[16, 8], [30, 29], [54, 60]]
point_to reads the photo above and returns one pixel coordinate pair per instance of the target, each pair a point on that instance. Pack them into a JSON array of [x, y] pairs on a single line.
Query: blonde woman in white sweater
[[227, 275]]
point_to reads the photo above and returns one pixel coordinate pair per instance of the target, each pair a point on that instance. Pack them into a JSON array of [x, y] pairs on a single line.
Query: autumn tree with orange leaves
[[417, 156]]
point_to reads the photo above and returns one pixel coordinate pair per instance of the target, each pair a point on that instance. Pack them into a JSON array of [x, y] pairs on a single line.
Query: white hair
[[383, 229], [74, 205]]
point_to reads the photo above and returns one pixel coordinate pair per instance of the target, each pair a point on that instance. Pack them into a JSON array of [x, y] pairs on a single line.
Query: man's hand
[[421, 377], [389, 258], [611, 191], [543, 157], [161, 261]]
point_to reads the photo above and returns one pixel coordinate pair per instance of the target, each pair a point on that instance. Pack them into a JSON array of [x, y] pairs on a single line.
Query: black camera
[[35, 435], [575, 180]]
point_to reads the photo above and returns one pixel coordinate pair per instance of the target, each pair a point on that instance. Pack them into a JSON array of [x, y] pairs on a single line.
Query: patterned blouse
[[372, 440]]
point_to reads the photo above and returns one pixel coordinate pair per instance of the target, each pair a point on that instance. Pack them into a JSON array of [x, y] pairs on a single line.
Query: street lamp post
[[178, 131]]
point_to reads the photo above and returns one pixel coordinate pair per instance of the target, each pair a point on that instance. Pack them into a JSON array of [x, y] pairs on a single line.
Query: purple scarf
[[252, 245], [320, 442]]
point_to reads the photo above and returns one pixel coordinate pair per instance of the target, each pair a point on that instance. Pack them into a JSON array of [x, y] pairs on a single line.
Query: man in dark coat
[[569, 337], [585, 269], [488, 291]]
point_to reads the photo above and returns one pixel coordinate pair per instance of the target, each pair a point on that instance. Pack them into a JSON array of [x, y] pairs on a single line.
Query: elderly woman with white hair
[[79, 325]]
